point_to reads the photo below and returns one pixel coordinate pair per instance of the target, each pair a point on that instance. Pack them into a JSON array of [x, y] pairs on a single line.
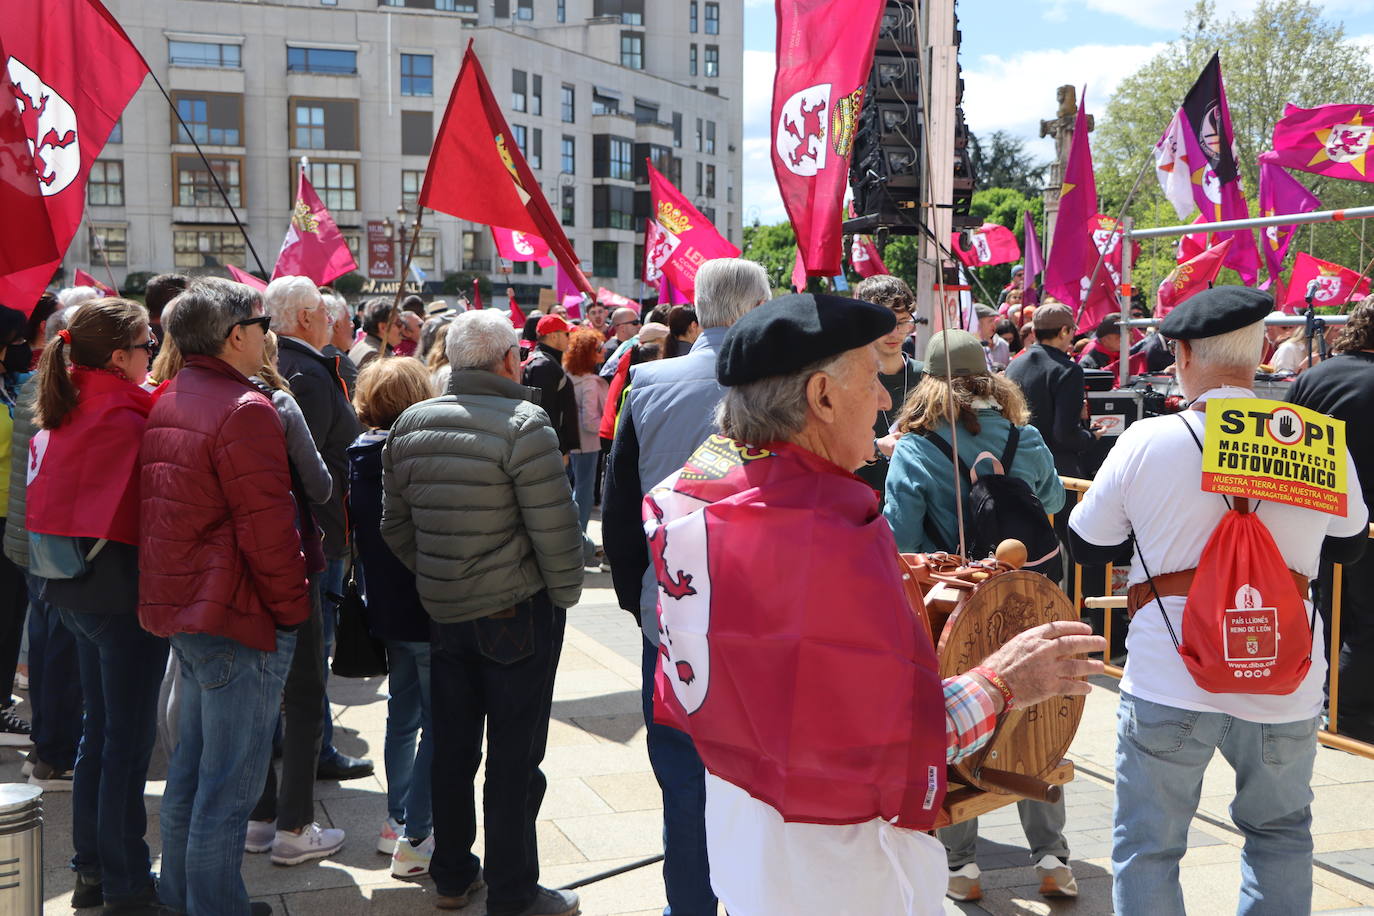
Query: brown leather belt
[[1176, 584]]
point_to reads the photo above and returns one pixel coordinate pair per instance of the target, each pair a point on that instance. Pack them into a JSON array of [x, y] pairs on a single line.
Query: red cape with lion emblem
[[814, 689]]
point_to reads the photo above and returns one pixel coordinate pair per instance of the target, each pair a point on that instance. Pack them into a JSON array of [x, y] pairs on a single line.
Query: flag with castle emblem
[[1328, 284], [824, 53], [70, 72], [476, 171], [521, 246], [1280, 194], [314, 247], [864, 257], [1190, 277], [1329, 140], [988, 244], [678, 239]]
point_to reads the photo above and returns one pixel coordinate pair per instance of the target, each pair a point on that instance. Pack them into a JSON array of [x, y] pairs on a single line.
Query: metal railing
[[1329, 736]]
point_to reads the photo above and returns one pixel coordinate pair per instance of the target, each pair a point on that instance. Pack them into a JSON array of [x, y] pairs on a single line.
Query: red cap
[[551, 324]]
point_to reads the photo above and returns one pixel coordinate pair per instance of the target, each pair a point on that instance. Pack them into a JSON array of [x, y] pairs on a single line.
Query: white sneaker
[[260, 836], [964, 883], [313, 842], [412, 861], [1056, 878], [386, 840]]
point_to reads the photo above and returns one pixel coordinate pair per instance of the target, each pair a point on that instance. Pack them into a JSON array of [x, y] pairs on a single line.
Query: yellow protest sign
[[1275, 451]]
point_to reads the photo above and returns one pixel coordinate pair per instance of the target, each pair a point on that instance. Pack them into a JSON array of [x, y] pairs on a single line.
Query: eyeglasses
[[263, 321], [905, 323], [633, 324]]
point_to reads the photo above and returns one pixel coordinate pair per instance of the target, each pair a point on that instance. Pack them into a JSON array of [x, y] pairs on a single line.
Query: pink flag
[[313, 246], [864, 257], [1326, 283], [685, 240], [244, 277], [514, 245], [1279, 195], [799, 274], [84, 279], [1035, 262], [668, 294], [988, 244], [614, 300], [1330, 140], [1074, 251], [565, 285], [573, 303], [824, 54]]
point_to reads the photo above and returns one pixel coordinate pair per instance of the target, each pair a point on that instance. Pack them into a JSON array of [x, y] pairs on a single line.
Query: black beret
[[792, 332], [1216, 311]]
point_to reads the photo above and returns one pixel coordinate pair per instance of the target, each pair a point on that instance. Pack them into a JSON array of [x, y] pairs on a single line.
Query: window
[[675, 171], [520, 135], [321, 60], [417, 132], [469, 248], [206, 247], [646, 112], [568, 155], [114, 241], [630, 12], [211, 117], [699, 174], [569, 202], [535, 155], [603, 103], [517, 90], [710, 136], [692, 61], [524, 9], [677, 129], [710, 181], [117, 135], [537, 95], [710, 214], [605, 259], [204, 54], [638, 262], [412, 180], [692, 17], [632, 50], [569, 104], [105, 187], [196, 188], [713, 19], [661, 157], [612, 207], [698, 135], [712, 60], [611, 157], [562, 10], [520, 267], [426, 253], [324, 123], [456, 6], [417, 74], [335, 182]]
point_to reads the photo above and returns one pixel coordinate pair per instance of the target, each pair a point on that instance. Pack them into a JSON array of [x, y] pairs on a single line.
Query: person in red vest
[[83, 516]]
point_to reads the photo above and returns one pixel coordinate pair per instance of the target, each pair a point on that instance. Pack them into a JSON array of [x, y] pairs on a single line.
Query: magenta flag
[[824, 54], [313, 246], [244, 277], [1279, 195], [864, 257], [514, 245], [668, 294], [1329, 140], [1074, 250], [1035, 262], [684, 239]]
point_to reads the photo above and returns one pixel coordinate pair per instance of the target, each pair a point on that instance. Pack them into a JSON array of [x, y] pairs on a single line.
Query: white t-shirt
[[762, 865], [1150, 484], [1290, 354]]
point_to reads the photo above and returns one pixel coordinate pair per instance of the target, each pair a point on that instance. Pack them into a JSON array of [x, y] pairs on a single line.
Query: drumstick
[[1020, 784]]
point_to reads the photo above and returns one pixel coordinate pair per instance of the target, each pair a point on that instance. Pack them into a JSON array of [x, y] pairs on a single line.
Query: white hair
[[338, 308], [727, 288], [480, 339], [286, 297], [73, 296], [1240, 349], [773, 409]]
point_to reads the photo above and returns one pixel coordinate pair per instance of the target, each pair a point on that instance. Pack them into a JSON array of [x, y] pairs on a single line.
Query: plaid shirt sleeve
[[969, 717]]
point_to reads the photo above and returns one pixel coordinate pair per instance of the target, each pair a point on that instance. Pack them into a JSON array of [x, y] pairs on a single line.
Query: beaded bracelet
[[996, 680]]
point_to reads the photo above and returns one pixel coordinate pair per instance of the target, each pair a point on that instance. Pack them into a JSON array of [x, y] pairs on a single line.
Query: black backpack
[[998, 506]]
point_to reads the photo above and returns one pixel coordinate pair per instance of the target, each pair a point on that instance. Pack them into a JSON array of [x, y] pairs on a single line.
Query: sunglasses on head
[[264, 321]]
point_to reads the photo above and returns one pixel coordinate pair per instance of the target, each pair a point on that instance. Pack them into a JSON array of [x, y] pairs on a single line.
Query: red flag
[[21, 199], [1280, 194], [244, 277], [1074, 251], [519, 246], [72, 71], [517, 317], [314, 247], [1327, 283], [988, 244], [799, 274], [84, 279], [864, 257], [824, 53], [1190, 277], [1193, 244], [476, 294], [615, 301], [476, 172], [679, 239], [1330, 140]]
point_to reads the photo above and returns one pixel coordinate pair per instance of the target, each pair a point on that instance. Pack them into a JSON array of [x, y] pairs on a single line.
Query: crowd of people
[[244, 460]]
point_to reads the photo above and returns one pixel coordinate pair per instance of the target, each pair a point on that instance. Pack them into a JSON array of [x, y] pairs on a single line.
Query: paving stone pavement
[[602, 809]]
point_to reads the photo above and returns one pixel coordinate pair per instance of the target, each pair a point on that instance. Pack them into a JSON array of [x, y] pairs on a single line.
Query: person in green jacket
[[920, 508]]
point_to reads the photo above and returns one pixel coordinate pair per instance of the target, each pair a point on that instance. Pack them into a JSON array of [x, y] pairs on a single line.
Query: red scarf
[[83, 476]]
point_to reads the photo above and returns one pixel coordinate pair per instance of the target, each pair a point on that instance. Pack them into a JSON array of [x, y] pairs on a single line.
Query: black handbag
[[357, 653]]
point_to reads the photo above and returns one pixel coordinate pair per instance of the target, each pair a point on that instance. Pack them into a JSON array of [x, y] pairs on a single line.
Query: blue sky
[[1014, 54]]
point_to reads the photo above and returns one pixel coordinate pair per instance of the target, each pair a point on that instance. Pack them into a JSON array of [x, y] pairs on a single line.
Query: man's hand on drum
[[1045, 661]]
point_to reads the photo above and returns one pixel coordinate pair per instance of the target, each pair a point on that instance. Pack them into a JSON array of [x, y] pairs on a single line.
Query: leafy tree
[[774, 247], [1004, 163]]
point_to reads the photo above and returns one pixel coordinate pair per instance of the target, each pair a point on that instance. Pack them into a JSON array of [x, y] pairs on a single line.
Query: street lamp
[[399, 237]]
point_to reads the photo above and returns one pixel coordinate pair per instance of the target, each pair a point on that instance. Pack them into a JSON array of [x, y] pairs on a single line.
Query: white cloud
[[760, 191], [1171, 14]]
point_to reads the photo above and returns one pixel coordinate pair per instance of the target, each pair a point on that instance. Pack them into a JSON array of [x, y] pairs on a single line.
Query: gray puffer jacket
[[16, 535], [477, 502]]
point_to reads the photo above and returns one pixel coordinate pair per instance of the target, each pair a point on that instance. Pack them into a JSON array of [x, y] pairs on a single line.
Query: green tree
[[774, 247], [1002, 162]]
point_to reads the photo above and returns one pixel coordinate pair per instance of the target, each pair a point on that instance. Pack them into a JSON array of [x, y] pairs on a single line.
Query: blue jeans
[[121, 672], [230, 698], [407, 716], [54, 683], [682, 778], [1161, 755], [584, 484], [332, 582]]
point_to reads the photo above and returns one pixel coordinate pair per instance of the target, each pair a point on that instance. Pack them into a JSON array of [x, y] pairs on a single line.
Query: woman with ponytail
[[83, 519]]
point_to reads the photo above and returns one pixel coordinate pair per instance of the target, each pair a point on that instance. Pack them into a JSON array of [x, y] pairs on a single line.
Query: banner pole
[[405, 268], [100, 246]]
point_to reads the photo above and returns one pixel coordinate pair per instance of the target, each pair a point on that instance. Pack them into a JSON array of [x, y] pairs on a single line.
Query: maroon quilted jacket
[[218, 552]]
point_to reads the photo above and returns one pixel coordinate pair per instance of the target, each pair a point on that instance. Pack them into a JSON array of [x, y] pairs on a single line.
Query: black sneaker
[[14, 731], [342, 766], [87, 893], [49, 778], [549, 902], [260, 908]]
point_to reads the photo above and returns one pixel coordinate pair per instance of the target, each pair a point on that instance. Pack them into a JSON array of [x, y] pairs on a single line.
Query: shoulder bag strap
[[1013, 439]]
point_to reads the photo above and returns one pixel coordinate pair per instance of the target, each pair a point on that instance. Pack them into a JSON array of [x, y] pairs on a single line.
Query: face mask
[[18, 358]]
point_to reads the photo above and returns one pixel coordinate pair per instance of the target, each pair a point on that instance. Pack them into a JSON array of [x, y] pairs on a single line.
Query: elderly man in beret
[[1168, 727], [787, 648]]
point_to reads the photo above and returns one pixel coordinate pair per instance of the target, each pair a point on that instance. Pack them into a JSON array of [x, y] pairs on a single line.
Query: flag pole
[[405, 267], [1116, 231], [100, 246], [213, 177]]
